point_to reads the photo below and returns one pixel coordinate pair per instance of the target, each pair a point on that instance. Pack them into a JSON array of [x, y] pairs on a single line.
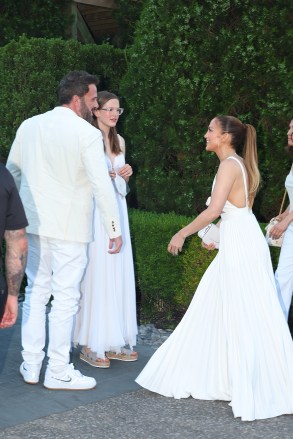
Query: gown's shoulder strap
[[214, 182], [244, 175]]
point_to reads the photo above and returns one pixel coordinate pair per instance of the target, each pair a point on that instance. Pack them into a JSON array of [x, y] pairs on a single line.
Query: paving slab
[[26, 402]]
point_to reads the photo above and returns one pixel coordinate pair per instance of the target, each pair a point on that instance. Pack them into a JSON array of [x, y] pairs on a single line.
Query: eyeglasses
[[112, 110]]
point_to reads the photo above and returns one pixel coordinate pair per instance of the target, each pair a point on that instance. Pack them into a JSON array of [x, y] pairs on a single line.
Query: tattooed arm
[[15, 263], [15, 259]]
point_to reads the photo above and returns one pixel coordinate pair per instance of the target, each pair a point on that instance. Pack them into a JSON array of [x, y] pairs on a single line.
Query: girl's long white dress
[[107, 316], [233, 343]]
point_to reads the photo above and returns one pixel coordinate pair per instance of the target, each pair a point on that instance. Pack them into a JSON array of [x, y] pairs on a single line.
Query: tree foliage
[[35, 18], [190, 61], [127, 15]]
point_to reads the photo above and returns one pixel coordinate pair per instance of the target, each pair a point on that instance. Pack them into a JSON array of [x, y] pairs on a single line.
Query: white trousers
[[54, 267], [284, 272]]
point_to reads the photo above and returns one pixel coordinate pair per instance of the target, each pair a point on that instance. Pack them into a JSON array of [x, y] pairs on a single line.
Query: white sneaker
[[30, 372], [68, 379]]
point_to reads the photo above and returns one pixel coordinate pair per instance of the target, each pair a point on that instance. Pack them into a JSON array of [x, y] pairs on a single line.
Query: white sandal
[[124, 355], [91, 358]]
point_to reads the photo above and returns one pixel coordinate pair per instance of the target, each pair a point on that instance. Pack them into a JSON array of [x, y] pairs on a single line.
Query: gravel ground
[[145, 415]]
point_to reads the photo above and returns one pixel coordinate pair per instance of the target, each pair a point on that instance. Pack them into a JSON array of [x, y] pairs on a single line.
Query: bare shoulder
[[231, 165], [228, 165], [228, 172]]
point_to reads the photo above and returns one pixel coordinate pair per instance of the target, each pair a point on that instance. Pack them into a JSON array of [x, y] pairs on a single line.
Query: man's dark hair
[[75, 83]]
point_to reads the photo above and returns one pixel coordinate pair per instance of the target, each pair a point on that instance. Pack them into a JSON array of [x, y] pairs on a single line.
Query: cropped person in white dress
[[106, 322], [233, 343], [284, 272]]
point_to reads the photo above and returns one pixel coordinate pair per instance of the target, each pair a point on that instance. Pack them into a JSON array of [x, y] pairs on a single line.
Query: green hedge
[[166, 284], [189, 62], [31, 68], [35, 18]]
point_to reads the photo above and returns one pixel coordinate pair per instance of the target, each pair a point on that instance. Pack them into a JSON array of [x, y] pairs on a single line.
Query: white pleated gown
[[107, 316], [233, 343]]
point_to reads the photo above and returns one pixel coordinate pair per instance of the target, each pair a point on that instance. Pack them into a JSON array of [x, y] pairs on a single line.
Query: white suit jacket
[[58, 163]]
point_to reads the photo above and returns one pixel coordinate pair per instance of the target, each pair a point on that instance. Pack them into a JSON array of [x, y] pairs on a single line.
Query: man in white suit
[[57, 161]]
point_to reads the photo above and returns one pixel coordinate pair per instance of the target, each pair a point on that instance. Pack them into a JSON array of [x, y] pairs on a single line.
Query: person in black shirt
[[12, 229]]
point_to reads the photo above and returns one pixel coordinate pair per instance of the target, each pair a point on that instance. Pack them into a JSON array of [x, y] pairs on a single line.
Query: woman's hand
[[112, 173], [176, 244], [209, 247], [125, 172], [278, 229]]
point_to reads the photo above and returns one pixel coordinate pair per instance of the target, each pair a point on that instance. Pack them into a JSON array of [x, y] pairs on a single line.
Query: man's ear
[[75, 99]]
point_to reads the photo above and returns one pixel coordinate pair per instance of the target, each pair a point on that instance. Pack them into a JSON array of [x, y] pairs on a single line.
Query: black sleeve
[[15, 218], [13, 215]]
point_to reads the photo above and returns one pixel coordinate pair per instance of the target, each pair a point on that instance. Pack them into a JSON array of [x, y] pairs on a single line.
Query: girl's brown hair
[[243, 140], [103, 97]]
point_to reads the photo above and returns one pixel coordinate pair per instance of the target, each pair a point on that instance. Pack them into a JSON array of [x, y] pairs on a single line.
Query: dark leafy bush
[[189, 62], [34, 18], [127, 14]]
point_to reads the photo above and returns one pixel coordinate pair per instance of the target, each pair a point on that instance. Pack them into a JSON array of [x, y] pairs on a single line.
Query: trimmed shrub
[[31, 68], [189, 62], [165, 282]]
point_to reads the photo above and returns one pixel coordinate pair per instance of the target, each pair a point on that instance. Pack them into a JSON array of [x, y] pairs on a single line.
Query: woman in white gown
[[233, 343], [284, 272], [106, 321]]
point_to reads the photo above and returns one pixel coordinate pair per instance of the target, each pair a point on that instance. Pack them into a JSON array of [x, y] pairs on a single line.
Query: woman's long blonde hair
[[243, 140]]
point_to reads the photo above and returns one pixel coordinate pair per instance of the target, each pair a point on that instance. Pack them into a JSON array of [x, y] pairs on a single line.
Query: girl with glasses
[[106, 322]]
